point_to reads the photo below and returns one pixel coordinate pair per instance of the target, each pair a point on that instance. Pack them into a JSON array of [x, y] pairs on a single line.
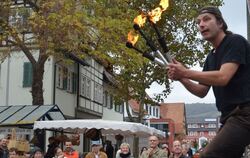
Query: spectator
[[165, 147], [109, 149], [58, 153], [27, 154], [4, 152], [186, 151], [143, 149], [13, 153], [154, 151], [95, 151], [38, 153], [124, 151], [51, 147], [177, 150], [69, 152]]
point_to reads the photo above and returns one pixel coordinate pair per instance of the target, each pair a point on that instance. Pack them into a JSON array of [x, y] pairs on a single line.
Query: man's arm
[[195, 88], [214, 78]]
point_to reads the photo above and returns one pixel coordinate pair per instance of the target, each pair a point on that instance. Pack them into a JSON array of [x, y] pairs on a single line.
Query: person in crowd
[[177, 150], [27, 154], [69, 152], [165, 147], [58, 153], [51, 147], [124, 151], [37, 153], [226, 70], [13, 153], [154, 151], [109, 149], [95, 151], [143, 149], [4, 152], [186, 150]]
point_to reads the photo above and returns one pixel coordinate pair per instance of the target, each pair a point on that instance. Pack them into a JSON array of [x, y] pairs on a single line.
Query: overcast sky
[[234, 13]]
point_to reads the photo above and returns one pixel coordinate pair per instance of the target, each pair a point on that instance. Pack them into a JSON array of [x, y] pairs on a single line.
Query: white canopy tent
[[107, 127]]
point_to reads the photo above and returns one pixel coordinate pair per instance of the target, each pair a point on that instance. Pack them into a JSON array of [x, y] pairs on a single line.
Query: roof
[[107, 127], [176, 112], [22, 115]]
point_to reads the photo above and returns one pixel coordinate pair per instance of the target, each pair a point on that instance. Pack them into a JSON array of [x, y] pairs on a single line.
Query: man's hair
[[218, 15], [13, 149]]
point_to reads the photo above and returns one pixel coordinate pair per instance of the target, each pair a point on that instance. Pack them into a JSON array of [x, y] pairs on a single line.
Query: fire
[[164, 4], [155, 14], [132, 37], [140, 20]]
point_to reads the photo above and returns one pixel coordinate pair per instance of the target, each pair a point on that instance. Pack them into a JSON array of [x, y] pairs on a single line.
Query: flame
[[155, 14], [132, 37], [140, 20], [164, 4]]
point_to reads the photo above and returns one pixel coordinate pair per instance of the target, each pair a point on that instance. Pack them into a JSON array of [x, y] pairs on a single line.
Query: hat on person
[[216, 12], [96, 142], [164, 146]]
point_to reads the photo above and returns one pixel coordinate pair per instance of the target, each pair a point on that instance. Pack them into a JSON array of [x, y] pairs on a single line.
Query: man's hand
[[176, 70]]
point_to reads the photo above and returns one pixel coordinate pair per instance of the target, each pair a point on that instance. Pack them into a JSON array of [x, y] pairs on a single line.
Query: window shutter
[[27, 74], [74, 83]]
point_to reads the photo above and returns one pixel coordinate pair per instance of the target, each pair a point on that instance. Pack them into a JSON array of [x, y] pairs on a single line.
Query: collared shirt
[[72, 154], [158, 153], [99, 155]]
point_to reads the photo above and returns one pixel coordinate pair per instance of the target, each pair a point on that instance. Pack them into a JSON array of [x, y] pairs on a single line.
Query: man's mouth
[[204, 31]]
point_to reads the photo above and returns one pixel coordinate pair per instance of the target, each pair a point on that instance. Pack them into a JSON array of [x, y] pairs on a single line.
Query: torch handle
[[162, 42]]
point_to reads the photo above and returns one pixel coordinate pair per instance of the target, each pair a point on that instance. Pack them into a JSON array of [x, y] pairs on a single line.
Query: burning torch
[[139, 21]]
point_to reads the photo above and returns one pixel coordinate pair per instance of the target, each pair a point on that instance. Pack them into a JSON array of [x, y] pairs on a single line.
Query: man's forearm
[[195, 88]]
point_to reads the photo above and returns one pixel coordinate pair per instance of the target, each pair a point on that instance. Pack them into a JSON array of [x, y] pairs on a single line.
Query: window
[[105, 98], [119, 106], [70, 81], [163, 126], [88, 88], [65, 78], [98, 92], [27, 74], [59, 83], [110, 101], [212, 133], [157, 112], [83, 85], [211, 125]]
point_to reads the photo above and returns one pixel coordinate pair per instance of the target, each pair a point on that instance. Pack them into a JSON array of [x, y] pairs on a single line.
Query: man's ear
[[220, 22]]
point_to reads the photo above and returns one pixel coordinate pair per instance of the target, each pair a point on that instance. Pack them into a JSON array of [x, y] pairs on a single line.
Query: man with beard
[[4, 152], [69, 152], [226, 70]]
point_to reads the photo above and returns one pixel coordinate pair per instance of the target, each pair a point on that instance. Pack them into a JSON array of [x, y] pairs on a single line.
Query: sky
[[234, 13]]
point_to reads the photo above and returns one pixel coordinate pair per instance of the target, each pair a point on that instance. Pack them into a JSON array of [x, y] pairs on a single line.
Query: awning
[[26, 115], [107, 127]]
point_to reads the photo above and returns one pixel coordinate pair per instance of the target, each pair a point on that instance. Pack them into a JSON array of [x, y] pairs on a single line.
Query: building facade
[[201, 130]]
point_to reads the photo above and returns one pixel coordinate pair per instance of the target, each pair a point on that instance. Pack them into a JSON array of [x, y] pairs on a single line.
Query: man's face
[[208, 26], [4, 142], [153, 142], [124, 149], [68, 146], [12, 154], [95, 148], [177, 147]]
